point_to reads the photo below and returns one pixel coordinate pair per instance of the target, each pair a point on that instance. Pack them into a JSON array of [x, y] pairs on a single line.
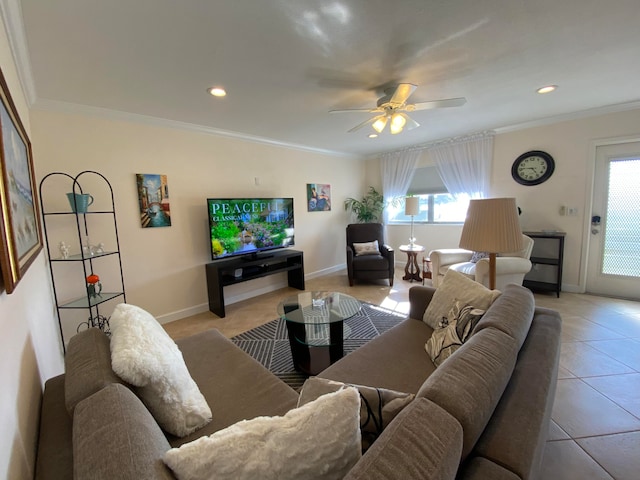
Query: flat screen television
[[248, 226]]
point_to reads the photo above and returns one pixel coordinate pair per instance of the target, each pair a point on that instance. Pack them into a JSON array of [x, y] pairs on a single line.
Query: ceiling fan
[[392, 109]]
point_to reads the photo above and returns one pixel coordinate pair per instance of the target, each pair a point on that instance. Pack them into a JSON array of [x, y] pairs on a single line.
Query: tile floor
[[595, 429]]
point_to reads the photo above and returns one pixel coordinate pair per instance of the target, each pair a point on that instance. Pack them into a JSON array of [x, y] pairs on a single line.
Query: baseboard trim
[[229, 300]]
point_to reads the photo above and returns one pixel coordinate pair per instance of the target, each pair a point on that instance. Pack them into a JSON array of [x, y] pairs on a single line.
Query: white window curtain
[[464, 163], [397, 170]]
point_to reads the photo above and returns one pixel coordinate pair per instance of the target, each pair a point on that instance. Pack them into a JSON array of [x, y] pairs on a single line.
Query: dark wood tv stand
[[221, 273]]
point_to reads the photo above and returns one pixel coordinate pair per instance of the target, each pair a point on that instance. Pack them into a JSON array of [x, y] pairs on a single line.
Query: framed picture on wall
[[318, 197], [153, 199], [20, 237]]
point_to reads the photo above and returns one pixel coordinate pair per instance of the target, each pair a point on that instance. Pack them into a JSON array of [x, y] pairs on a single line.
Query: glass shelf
[[78, 257], [78, 213], [86, 302]]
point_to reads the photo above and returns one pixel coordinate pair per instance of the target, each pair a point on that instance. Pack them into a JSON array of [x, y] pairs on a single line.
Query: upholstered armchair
[[510, 267], [365, 259]]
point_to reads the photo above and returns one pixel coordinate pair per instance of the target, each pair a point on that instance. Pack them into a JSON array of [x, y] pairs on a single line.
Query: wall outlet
[[563, 210], [572, 211]]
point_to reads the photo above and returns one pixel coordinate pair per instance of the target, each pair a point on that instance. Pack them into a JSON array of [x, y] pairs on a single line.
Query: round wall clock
[[533, 168]]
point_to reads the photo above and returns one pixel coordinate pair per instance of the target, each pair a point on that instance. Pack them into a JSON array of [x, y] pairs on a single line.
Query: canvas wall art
[[20, 237], [153, 197], [318, 197]]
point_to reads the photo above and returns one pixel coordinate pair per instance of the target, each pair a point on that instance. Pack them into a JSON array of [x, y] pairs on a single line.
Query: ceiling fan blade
[[363, 124], [411, 123], [360, 110], [445, 102], [402, 93]]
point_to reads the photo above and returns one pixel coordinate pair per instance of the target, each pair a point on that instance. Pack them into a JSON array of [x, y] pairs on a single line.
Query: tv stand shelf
[[221, 273]]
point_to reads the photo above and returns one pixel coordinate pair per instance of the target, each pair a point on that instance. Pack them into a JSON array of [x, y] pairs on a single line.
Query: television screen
[[247, 226]]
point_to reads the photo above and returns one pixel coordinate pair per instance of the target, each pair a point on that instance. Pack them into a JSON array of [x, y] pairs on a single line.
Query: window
[[436, 204], [436, 208]]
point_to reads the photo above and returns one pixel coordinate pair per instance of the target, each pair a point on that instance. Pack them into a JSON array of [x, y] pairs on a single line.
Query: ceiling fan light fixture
[[394, 129], [380, 123], [399, 120]]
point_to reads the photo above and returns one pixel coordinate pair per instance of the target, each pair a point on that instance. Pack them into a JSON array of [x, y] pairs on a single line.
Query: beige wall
[[572, 144], [164, 267], [30, 350]]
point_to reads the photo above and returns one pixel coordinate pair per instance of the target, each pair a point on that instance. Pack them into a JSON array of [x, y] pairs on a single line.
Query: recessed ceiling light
[[217, 91], [547, 89], [373, 135]]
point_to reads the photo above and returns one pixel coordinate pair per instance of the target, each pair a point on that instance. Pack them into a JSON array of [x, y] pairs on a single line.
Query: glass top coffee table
[[315, 324]]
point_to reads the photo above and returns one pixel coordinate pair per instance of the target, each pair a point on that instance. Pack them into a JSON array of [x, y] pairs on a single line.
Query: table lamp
[[492, 226], [411, 208]]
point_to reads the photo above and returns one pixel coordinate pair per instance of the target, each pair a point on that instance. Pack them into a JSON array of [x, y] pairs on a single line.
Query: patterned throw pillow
[[478, 256], [378, 406], [453, 330], [367, 248], [456, 286]]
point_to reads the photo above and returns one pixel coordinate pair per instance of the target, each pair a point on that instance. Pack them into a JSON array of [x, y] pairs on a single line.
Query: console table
[[222, 273]]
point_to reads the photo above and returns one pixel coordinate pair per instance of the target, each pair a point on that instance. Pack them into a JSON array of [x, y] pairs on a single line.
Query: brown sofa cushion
[[235, 385], [470, 383], [87, 366], [396, 360], [422, 442], [115, 436]]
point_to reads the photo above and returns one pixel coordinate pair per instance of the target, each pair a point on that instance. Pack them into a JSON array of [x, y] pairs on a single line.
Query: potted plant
[[369, 209]]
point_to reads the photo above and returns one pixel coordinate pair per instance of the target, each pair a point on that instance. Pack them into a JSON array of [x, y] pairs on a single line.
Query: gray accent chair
[[369, 267]]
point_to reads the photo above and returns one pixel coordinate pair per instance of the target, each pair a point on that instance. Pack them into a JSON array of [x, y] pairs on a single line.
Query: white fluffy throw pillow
[[456, 286], [318, 441], [144, 355]]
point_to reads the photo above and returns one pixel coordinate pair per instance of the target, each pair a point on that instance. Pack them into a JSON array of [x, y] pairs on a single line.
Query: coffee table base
[[313, 359]]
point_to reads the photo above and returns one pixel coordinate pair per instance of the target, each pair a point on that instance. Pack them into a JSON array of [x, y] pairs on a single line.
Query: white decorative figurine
[[64, 250]]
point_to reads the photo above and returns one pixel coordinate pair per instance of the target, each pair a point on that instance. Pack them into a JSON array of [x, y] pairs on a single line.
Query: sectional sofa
[[482, 414]]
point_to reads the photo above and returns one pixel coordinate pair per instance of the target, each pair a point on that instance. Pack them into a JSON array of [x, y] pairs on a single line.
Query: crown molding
[[11, 12], [73, 108], [591, 112]]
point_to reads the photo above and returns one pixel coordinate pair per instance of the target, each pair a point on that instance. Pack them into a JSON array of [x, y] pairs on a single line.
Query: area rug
[[269, 343]]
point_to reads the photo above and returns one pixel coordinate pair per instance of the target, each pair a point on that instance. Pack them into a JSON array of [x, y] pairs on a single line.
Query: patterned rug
[[269, 343]]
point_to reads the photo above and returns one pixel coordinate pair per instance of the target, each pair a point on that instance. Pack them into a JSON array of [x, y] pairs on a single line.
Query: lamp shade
[[492, 226], [411, 205]]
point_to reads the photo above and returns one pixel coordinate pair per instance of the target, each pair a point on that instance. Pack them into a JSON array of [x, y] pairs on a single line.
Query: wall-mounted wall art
[[318, 197], [153, 197], [20, 238]]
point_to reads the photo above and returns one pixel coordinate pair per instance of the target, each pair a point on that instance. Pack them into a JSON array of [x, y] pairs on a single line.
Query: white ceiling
[[286, 63]]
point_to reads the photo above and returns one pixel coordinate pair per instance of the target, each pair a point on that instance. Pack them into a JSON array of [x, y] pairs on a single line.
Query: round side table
[[411, 269]]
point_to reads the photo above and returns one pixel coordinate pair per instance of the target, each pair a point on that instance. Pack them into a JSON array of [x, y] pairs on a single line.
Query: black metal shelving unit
[[547, 255], [88, 258]]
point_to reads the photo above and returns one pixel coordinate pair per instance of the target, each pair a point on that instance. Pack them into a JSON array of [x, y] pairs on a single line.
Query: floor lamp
[[492, 226], [411, 207]]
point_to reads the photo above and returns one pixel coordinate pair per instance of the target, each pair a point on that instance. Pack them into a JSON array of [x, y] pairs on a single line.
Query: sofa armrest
[[55, 450], [390, 255], [423, 441], [419, 298]]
